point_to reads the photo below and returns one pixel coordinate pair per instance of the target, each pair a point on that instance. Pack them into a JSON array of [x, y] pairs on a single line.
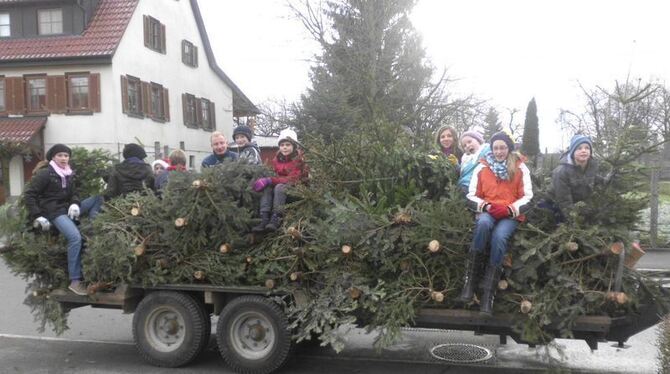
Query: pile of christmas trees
[[379, 231]]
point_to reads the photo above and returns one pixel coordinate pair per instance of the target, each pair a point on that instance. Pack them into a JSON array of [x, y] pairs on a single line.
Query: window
[[144, 99], [49, 21], [78, 93], [189, 53], [2, 95], [154, 34], [205, 115], [182, 145], [190, 108], [157, 103], [36, 94], [134, 102], [191, 162], [5, 26]]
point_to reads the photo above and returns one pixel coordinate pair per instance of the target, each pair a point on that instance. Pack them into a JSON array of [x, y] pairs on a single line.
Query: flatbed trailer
[[171, 323]]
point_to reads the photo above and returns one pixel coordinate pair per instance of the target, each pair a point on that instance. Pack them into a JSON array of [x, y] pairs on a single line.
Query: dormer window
[[50, 21], [5, 26], [189, 53], [154, 34]]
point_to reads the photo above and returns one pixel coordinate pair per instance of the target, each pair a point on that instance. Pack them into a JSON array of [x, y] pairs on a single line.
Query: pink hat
[[474, 134]]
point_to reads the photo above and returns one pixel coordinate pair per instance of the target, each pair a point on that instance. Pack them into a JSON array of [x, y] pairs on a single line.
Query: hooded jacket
[[289, 169], [129, 176], [570, 183], [45, 196]]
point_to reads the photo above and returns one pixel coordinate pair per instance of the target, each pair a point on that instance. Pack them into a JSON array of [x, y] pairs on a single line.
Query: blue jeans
[[498, 233], [91, 206], [71, 233], [274, 198]]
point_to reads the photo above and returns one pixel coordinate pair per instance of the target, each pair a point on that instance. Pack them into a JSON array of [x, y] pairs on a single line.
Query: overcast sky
[[505, 51]]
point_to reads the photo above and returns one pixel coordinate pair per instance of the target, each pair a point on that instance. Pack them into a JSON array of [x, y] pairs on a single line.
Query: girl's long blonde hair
[[512, 160]]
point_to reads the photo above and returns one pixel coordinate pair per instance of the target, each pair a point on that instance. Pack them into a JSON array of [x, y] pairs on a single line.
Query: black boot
[[491, 278], [265, 219], [275, 222], [471, 265]]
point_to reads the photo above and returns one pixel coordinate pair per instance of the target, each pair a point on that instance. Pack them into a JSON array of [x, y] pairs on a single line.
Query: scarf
[[176, 168], [499, 168], [447, 151], [63, 173]]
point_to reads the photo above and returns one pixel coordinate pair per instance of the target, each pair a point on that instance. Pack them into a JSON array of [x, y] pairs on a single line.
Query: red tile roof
[[20, 129], [100, 38]]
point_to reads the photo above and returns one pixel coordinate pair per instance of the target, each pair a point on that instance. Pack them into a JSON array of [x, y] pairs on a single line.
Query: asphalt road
[[100, 341]]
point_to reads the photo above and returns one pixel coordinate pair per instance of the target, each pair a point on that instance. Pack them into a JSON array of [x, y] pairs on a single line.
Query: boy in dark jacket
[[246, 147], [574, 178], [131, 175]]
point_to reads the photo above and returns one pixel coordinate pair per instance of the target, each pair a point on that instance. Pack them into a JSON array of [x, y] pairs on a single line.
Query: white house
[[103, 73]]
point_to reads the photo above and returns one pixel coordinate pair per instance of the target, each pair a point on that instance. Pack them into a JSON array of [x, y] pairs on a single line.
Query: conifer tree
[[531, 132]]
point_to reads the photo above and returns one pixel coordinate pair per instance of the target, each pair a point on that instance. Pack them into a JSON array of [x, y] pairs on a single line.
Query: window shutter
[[15, 96], [146, 98], [198, 113], [94, 92], [57, 94], [124, 94], [163, 50], [212, 116], [195, 56], [166, 105], [183, 52], [147, 28], [184, 107]]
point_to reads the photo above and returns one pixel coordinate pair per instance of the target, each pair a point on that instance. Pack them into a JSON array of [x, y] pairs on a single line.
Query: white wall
[[133, 58], [91, 131]]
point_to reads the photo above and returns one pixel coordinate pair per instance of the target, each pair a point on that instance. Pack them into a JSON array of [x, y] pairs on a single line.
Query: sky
[[504, 51]]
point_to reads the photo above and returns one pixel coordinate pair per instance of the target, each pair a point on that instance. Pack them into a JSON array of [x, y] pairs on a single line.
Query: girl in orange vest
[[500, 191]]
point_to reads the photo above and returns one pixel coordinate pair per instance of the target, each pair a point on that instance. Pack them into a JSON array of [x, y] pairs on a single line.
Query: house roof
[[99, 39], [20, 129]]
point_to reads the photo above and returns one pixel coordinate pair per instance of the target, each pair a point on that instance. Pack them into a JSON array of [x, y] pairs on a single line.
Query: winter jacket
[[214, 159], [45, 196], [469, 164], [570, 183], [289, 169], [250, 153], [485, 187], [129, 176]]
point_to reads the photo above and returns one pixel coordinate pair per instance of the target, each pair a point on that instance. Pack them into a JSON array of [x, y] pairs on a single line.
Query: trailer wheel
[[253, 335], [169, 328]]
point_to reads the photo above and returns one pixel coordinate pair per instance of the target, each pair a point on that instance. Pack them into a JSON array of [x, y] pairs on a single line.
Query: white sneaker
[[78, 288]]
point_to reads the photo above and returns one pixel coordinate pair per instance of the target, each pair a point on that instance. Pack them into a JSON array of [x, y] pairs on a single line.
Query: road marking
[[52, 339]]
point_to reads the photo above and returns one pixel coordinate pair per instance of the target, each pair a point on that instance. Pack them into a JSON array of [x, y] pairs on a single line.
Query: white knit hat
[[287, 134]]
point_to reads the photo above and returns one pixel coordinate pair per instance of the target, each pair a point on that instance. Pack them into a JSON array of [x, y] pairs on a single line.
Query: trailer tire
[[253, 335], [169, 328]]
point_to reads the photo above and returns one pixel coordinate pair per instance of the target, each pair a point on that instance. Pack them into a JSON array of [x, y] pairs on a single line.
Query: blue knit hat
[[575, 142], [244, 130], [504, 136]]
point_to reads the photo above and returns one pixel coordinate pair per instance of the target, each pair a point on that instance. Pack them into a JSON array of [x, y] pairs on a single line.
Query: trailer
[[171, 323]]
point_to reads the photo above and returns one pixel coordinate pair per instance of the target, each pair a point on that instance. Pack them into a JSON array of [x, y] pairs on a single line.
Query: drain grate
[[461, 353]]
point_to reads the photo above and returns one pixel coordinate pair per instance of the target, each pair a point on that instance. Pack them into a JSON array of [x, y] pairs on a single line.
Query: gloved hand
[[498, 211], [73, 212], [261, 183], [42, 222]]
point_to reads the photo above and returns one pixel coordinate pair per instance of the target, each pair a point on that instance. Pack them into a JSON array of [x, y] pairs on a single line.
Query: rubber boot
[[491, 278], [275, 222], [471, 265], [265, 219]]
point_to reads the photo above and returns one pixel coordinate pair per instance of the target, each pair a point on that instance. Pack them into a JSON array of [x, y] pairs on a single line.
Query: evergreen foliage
[[531, 132]]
